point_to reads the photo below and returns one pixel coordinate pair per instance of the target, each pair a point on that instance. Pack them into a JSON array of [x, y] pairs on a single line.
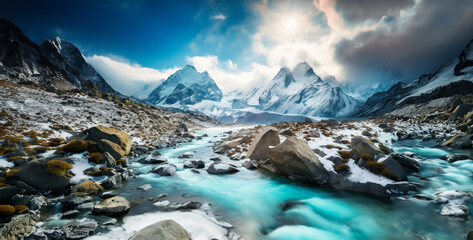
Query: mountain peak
[[304, 72], [189, 68]]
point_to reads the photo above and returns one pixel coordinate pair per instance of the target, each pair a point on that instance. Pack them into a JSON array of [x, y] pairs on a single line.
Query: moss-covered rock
[[120, 138], [89, 187], [43, 175]]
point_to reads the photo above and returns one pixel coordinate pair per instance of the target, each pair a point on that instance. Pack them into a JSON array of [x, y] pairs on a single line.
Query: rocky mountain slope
[[455, 77], [186, 87], [55, 64]]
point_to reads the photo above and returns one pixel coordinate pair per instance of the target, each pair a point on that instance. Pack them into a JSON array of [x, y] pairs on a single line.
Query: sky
[[364, 44]]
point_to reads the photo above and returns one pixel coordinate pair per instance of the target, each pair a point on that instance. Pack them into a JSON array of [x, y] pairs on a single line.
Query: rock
[[366, 133], [112, 181], [456, 157], [112, 205], [455, 210], [7, 192], [422, 197], [319, 152], [460, 111], [109, 159], [74, 200], [34, 173], [332, 123], [186, 155], [192, 205], [110, 134], [287, 132], [70, 214], [38, 202], [250, 164], [165, 169], [145, 187], [406, 161], [19, 199], [221, 168], [182, 128], [460, 141], [361, 145], [259, 148], [109, 222], [395, 168], [451, 196], [89, 187], [76, 230], [469, 236], [227, 145], [307, 120], [166, 229], [152, 159], [89, 206], [112, 148], [194, 164], [19, 227], [314, 134], [392, 189], [295, 159], [216, 158]]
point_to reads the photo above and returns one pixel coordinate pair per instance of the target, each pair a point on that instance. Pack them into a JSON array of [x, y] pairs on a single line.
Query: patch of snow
[[364, 176], [80, 165], [5, 163]]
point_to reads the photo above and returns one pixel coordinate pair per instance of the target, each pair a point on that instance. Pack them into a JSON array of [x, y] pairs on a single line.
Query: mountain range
[[293, 94]]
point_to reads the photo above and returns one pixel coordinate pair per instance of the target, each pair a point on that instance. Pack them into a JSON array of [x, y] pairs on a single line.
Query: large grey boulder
[[259, 149], [166, 229], [395, 168], [112, 205], [35, 174], [361, 145], [406, 161], [295, 159], [375, 189], [221, 168], [455, 210], [165, 169], [227, 145], [152, 159], [120, 138]]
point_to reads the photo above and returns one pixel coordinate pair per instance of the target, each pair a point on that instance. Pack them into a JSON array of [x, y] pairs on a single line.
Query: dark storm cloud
[[438, 31], [360, 10]]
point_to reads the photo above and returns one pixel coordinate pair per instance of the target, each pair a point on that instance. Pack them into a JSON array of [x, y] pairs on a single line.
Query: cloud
[[219, 17], [362, 10], [124, 76], [228, 77]]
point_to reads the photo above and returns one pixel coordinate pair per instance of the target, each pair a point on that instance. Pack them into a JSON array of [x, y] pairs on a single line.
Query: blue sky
[[242, 44]]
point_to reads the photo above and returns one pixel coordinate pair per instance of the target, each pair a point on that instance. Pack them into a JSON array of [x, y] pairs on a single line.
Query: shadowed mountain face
[[55, 64], [453, 78]]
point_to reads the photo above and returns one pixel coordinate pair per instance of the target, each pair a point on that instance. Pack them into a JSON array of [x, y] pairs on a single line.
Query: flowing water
[[251, 201]]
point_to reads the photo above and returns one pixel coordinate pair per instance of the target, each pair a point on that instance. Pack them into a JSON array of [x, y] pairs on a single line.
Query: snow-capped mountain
[[186, 87], [67, 57], [146, 90], [301, 91], [56, 64], [454, 77]]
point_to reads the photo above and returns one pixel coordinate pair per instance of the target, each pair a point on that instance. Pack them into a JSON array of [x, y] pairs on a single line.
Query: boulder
[[459, 112], [113, 135], [70, 214], [112, 181], [295, 159], [406, 161], [456, 157], [89, 187], [221, 168], [469, 236], [375, 189], [76, 199], [76, 230], [186, 155], [38, 202], [395, 168], [182, 128], [361, 145], [259, 149], [7, 192], [112, 205], [227, 145], [287, 132], [165, 169], [35, 174], [145, 187], [19, 227], [166, 229], [451, 196], [455, 210], [250, 164], [109, 159], [194, 164], [117, 152], [153, 159], [460, 141]]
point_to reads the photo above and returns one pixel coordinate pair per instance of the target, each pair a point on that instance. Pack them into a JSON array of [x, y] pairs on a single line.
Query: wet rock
[[186, 155], [361, 145], [395, 168], [109, 222], [166, 229], [7, 192], [406, 161], [227, 145], [259, 148], [71, 214], [451, 196], [89, 187], [392, 189], [221, 168], [112, 205], [145, 187], [19, 199], [112, 148], [422, 197], [85, 206], [250, 164], [76, 230], [74, 200], [295, 159], [460, 141], [112, 181], [469, 236], [194, 164], [216, 158], [165, 170], [456, 157], [192, 205], [152, 159], [455, 210]]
